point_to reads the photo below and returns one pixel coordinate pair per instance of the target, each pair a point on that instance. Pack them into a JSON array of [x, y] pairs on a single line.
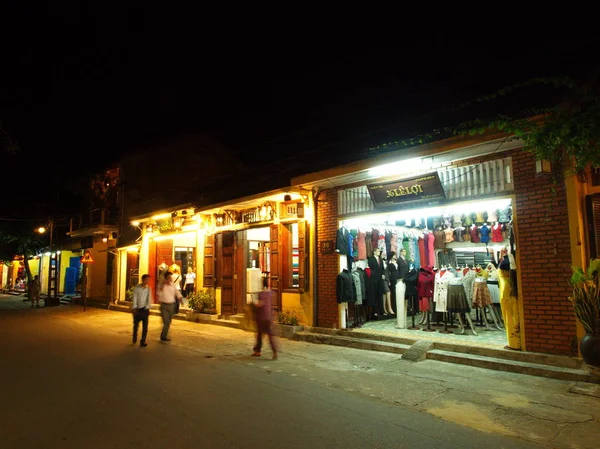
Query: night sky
[[80, 89]]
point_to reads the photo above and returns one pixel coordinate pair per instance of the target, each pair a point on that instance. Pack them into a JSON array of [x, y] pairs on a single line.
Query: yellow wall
[[44, 273], [65, 257], [298, 304]]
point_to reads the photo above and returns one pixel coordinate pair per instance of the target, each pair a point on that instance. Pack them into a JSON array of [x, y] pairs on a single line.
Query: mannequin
[[386, 300], [457, 303], [484, 232], [345, 293], [508, 299], [374, 292], [497, 236], [359, 285], [448, 234], [400, 288], [425, 285], [411, 293], [474, 233]]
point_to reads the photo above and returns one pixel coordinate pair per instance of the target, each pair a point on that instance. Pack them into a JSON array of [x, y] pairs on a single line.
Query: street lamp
[[53, 264]]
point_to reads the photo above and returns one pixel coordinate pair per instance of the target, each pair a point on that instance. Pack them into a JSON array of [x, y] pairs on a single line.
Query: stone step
[[182, 315], [512, 366], [516, 356], [351, 342]]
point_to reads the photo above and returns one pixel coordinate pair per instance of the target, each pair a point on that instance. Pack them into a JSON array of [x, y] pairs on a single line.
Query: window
[[293, 255]]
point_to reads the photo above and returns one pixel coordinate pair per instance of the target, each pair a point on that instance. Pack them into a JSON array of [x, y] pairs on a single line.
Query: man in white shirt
[[168, 294], [140, 307]]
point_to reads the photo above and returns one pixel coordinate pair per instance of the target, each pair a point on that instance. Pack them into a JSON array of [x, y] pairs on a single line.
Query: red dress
[[474, 233], [497, 233], [425, 284]]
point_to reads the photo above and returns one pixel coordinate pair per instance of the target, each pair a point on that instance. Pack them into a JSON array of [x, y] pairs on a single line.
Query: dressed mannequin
[[425, 286], [484, 232], [411, 293], [508, 299], [386, 301], [345, 293], [474, 233], [374, 292], [440, 238], [497, 236], [448, 234], [457, 303], [392, 273], [360, 288], [400, 288]]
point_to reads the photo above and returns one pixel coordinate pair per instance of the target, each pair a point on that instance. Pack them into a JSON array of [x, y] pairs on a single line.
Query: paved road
[[72, 379]]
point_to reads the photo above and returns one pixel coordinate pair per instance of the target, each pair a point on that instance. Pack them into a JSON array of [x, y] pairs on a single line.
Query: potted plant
[[287, 324], [586, 307], [202, 302]]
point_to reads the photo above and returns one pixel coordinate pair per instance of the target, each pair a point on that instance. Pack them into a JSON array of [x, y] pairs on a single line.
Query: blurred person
[[263, 318], [34, 291], [177, 282], [140, 308], [168, 296]]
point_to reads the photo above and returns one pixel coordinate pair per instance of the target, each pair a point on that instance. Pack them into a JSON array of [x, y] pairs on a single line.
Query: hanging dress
[[360, 241]]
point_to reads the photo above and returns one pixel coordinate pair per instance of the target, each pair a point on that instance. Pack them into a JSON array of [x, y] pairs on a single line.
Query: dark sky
[[80, 87]]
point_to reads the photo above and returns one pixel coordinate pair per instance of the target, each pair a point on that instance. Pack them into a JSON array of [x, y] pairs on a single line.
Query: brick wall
[[327, 264], [543, 249]]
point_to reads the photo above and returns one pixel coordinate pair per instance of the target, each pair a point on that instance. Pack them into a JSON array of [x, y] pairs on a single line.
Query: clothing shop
[[433, 268], [451, 212]]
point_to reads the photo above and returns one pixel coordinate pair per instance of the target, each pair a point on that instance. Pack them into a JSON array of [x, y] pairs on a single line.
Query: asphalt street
[[73, 379]]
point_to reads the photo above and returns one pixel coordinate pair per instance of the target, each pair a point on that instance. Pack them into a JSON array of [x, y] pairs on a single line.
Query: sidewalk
[[468, 349], [544, 410]]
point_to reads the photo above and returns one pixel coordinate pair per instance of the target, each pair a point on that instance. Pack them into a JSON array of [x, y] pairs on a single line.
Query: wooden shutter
[[275, 265], [239, 273], [209, 261], [152, 270], [303, 252], [226, 273], [593, 222]]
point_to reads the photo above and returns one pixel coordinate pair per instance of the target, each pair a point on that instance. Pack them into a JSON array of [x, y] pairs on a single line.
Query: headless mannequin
[[387, 296], [401, 289]]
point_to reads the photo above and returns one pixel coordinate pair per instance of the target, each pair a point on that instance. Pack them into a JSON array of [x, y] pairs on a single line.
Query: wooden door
[[226, 271], [164, 256], [275, 275], [241, 262], [209, 262], [152, 270], [133, 272]]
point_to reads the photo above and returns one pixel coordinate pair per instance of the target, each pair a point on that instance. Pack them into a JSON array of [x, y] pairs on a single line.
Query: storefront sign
[[420, 189]]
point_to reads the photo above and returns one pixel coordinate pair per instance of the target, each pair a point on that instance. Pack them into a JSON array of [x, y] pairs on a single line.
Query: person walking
[[263, 318], [168, 295], [34, 291], [140, 307]]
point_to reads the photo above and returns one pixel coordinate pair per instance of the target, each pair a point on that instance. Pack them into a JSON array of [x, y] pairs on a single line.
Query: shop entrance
[[456, 245], [243, 259], [170, 254]]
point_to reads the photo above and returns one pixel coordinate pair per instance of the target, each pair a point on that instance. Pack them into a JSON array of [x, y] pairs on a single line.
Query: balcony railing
[[94, 218]]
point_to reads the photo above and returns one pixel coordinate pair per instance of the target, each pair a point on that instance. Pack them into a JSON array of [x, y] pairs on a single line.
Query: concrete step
[[516, 356], [512, 366], [122, 306], [351, 342]]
